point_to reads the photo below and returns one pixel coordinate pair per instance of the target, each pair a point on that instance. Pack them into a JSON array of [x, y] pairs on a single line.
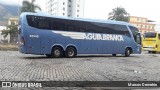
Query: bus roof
[[80, 19]]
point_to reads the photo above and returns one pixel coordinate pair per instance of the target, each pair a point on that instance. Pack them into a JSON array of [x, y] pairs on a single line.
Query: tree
[[119, 14], [12, 30], [29, 6]]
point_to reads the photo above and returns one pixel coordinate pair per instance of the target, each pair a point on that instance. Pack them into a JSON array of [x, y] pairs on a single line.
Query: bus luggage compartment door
[[33, 45], [45, 46]]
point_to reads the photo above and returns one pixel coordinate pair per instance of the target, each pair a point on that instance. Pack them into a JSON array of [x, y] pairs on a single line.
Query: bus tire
[[127, 52], [154, 52], [114, 55], [149, 52], [57, 52], [70, 52]]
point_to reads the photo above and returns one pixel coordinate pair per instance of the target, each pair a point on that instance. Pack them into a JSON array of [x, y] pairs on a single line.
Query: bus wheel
[[57, 52], [149, 52], [113, 55], [70, 52], [127, 52], [154, 52]]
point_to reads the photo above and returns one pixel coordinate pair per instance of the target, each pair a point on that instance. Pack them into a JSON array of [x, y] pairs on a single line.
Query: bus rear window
[[150, 35]]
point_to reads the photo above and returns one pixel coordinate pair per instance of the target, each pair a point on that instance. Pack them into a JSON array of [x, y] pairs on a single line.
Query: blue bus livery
[[55, 36]]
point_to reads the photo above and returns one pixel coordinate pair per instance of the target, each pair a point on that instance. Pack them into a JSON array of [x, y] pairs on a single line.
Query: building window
[[69, 1], [77, 10], [139, 19], [64, 9], [63, 14], [143, 26], [146, 27], [69, 5], [77, 15], [63, 3], [78, 5]]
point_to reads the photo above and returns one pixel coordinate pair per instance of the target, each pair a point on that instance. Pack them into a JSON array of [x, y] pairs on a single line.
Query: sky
[[99, 9]]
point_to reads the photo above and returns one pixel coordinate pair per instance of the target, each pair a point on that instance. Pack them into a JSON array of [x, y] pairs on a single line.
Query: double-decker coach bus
[[55, 36]]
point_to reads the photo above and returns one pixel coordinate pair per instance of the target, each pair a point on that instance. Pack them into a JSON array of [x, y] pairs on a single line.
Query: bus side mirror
[[138, 38]]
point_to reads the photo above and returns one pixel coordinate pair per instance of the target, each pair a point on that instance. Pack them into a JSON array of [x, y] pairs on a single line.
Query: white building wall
[[69, 8], [2, 36]]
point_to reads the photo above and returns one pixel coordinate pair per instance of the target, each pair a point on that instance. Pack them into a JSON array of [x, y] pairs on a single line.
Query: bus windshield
[[150, 35]]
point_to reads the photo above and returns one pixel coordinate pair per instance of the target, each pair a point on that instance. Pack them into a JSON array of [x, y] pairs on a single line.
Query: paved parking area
[[20, 67], [15, 66]]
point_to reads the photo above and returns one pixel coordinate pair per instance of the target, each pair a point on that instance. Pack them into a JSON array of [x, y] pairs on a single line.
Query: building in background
[[68, 8], [7, 38], [13, 21], [143, 24]]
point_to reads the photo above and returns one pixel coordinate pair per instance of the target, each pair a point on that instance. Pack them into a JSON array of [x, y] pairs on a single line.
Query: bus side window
[[58, 26], [122, 29], [81, 30], [30, 20], [43, 24], [70, 28]]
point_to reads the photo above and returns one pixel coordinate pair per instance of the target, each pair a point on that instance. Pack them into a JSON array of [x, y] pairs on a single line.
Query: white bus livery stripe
[[90, 36]]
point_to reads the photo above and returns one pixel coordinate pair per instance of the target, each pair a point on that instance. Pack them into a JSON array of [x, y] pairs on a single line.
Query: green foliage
[[29, 6], [119, 14], [12, 30], [5, 32]]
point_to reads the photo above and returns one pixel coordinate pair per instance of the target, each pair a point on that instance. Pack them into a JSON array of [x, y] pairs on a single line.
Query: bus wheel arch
[[57, 51], [70, 51], [128, 51]]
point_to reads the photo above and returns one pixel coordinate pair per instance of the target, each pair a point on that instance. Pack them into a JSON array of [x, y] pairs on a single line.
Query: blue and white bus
[[55, 36]]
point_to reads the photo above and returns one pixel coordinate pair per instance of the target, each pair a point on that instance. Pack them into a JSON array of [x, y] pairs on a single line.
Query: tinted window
[[43, 24], [111, 29], [58, 26], [30, 20], [122, 29], [75, 25], [38, 22], [134, 31], [150, 35], [71, 28], [81, 29]]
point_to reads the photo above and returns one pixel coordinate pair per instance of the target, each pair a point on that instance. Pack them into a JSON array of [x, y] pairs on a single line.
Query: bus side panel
[[33, 41], [45, 46]]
